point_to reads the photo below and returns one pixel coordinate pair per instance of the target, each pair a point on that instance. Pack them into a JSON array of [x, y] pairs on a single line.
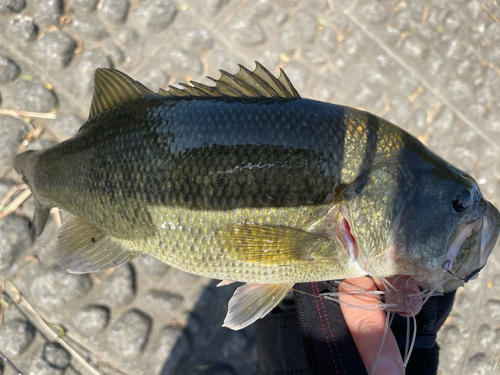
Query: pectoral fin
[[253, 301], [224, 283], [270, 244], [83, 248]]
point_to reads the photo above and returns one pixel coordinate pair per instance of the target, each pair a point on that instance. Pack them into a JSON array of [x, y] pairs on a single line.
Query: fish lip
[[457, 243], [489, 227], [490, 232]]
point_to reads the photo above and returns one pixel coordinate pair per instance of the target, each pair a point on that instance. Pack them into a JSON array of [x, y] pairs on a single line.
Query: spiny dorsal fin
[[244, 84], [112, 87]]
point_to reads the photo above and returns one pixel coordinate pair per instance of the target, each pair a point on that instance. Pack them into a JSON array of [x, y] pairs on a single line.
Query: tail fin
[[25, 165]]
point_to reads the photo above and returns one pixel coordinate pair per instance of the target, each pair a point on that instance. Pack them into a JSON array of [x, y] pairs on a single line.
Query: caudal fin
[[25, 165]]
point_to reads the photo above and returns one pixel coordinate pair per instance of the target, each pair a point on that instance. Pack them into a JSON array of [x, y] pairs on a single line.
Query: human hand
[[367, 326]]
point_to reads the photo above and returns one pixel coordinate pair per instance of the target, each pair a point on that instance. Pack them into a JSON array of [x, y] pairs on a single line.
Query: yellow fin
[[244, 84], [83, 248], [253, 301], [269, 244], [112, 87]]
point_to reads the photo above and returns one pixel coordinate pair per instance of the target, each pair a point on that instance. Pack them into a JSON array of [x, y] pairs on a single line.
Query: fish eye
[[462, 200]]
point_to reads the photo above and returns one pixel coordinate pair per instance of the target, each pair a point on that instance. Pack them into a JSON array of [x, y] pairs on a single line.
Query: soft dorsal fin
[[244, 84], [112, 87]]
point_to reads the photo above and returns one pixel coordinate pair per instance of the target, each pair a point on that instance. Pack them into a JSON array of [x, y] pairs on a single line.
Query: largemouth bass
[[246, 181]]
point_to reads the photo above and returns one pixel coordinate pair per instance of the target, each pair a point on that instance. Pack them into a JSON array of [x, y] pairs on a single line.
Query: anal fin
[[253, 301], [83, 248]]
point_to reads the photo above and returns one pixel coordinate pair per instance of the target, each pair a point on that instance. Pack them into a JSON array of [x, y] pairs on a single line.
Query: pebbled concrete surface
[[432, 67]]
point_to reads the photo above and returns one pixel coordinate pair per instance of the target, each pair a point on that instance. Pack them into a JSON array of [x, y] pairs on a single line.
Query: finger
[[406, 298], [367, 330]]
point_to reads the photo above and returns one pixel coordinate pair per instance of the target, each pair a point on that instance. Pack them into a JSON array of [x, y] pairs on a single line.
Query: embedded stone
[[83, 6], [329, 39], [31, 96], [115, 53], [280, 16], [298, 74], [314, 57], [8, 70], [173, 344], [479, 364], [55, 287], [164, 300], [56, 356], [354, 43], [214, 6], [91, 319], [89, 30], [373, 11], [115, 11], [459, 90], [87, 63], [413, 47], [22, 29], [12, 6], [15, 336], [180, 62], [222, 59], [248, 32], [153, 265], [198, 39], [261, 8], [156, 15], [48, 12], [287, 41], [128, 37], [119, 287], [40, 144], [66, 126], [12, 131], [153, 78], [185, 277], [55, 49], [270, 59], [305, 24], [130, 333]]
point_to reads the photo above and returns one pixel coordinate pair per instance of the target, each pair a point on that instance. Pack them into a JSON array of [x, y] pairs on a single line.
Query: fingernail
[[388, 366]]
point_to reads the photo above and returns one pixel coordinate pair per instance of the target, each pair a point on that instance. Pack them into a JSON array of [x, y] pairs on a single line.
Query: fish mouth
[[482, 235], [490, 232]]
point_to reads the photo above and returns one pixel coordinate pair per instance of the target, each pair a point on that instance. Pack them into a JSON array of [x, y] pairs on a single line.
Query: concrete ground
[[432, 67]]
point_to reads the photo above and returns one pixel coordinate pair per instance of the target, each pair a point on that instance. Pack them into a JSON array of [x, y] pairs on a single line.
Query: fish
[[246, 181]]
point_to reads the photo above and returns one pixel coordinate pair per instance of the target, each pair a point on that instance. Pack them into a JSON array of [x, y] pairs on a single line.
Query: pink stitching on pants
[[314, 287]]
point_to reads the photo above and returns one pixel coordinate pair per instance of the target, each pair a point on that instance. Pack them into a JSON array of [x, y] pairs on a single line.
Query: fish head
[[431, 223], [448, 229]]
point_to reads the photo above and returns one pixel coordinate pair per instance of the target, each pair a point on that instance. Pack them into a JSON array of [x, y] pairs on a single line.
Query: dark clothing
[[308, 335]]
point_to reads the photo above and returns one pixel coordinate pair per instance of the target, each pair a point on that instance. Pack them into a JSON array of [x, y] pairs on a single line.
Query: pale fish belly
[[190, 240]]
